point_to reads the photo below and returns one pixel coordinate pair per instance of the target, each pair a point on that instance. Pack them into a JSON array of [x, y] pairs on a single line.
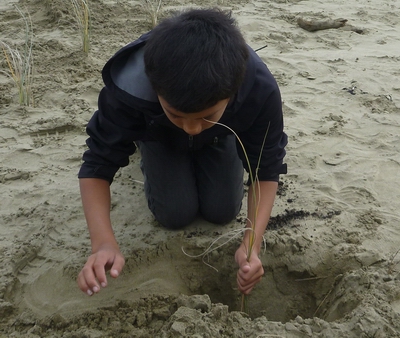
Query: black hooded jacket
[[129, 110]]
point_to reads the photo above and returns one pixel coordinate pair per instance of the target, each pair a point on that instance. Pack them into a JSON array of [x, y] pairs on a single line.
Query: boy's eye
[[174, 116]]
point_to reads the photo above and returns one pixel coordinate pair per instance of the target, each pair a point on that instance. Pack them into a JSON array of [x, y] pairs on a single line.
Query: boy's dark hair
[[196, 58]]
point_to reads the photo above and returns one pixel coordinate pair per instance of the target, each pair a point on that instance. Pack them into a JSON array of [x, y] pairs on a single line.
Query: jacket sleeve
[[112, 131], [266, 164]]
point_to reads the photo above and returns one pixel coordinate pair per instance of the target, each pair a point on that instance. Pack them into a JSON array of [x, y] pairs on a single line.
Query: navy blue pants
[[180, 186]]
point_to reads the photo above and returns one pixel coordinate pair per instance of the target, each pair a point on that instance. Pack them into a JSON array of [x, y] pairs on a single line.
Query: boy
[[164, 93]]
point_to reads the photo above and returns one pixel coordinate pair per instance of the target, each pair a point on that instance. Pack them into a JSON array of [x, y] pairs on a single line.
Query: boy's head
[[196, 59]]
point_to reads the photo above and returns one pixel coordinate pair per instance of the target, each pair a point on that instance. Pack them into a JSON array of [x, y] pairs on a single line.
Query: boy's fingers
[[91, 281], [102, 265], [248, 276], [248, 272], [82, 283], [247, 287], [93, 275], [87, 280], [245, 268], [92, 272], [117, 266], [251, 275], [100, 273], [247, 282]]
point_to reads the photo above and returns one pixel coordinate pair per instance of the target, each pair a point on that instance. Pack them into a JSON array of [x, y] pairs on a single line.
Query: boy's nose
[[192, 127]]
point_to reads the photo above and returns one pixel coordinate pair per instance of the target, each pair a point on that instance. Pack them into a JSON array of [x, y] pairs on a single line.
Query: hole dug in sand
[[317, 282], [290, 286]]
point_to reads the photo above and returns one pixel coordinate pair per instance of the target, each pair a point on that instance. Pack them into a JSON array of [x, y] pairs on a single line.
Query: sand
[[332, 262]]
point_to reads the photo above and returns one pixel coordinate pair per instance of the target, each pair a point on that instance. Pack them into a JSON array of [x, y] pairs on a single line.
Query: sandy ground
[[332, 267]]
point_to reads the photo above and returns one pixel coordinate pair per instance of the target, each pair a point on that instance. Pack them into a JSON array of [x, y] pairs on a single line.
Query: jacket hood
[[125, 74]]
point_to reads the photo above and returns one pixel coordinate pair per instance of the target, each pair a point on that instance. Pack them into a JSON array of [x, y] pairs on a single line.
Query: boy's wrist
[[246, 242], [107, 243]]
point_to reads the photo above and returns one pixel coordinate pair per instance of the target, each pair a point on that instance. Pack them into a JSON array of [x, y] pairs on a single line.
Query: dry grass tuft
[[153, 8], [20, 62], [82, 17]]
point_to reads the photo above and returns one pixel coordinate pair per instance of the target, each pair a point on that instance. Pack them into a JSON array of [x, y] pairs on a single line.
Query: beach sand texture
[[332, 261]]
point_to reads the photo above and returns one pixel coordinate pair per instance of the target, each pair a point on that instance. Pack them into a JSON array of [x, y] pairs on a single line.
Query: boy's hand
[[250, 272], [93, 275]]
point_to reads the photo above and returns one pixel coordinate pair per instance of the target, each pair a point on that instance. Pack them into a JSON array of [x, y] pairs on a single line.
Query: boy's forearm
[[96, 200], [260, 211]]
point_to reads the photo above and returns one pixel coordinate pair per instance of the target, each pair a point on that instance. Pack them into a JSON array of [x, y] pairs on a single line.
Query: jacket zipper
[[190, 141]]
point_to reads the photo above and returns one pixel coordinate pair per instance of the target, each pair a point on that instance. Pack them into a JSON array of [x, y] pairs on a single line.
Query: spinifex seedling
[[254, 197]]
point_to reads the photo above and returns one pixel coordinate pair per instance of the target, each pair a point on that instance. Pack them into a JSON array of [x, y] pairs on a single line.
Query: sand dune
[[331, 258]]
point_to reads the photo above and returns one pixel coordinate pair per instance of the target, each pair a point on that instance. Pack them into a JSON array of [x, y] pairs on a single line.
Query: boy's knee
[[176, 219], [220, 219], [222, 215], [174, 213]]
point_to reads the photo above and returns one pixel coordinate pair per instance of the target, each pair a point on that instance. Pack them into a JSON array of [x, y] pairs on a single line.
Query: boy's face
[[194, 123]]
